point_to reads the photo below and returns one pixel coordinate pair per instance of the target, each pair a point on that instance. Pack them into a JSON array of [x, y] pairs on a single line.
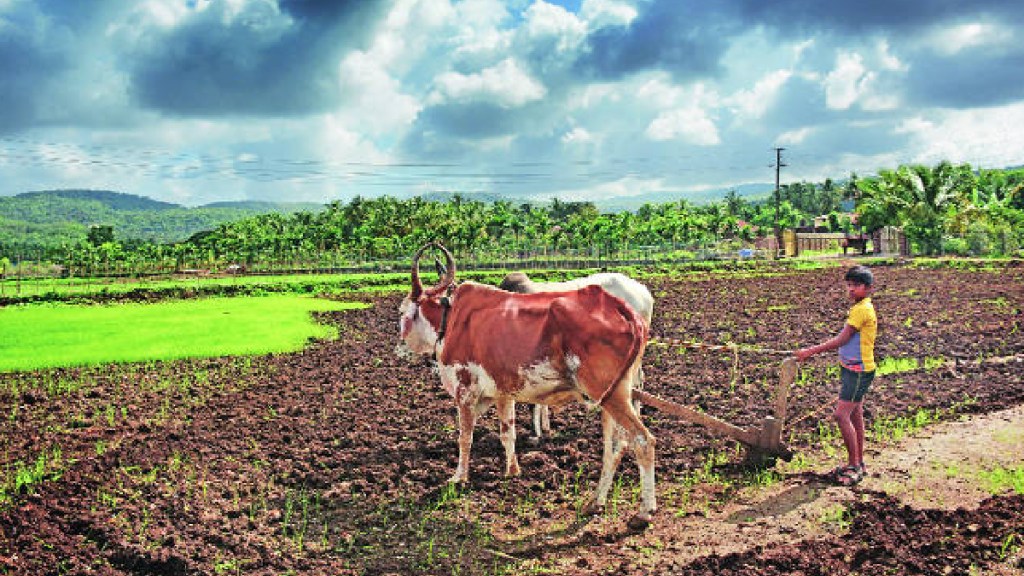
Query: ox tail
[[636, 348]]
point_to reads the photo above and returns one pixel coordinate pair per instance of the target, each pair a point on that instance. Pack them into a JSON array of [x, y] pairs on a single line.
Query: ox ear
[[441, 270]]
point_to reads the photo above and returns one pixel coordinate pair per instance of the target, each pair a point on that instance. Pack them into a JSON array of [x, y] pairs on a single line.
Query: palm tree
[[921, 199]]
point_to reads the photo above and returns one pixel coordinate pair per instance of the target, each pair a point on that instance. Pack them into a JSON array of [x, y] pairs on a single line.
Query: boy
[[856, 345]]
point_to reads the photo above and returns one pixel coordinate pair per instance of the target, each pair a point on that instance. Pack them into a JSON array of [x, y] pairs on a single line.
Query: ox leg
[[467, 421], [541, 421], [619, 410], [614, 442], [506, 409], [639, 386]]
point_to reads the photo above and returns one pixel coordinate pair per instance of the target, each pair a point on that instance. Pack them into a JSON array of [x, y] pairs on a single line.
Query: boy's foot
[[839, 471], [850, 475]]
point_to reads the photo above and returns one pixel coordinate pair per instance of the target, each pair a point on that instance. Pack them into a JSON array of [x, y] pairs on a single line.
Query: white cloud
[[866, 82], [794, 137], [601, 13], [752, 104], [545, 20], [622, 187], [847, 81], [339, 144], [683, 112], [379, 105], [506, 84], [950, 40], [984, 137], [691, 125], [888, 60], [164, 13], [478, 29], [578, 136]]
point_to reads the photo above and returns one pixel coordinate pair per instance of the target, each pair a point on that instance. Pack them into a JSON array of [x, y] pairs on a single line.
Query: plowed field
[[334, 460]]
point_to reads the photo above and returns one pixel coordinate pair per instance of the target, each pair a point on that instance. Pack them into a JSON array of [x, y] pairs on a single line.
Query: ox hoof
[[639, 522], [533, 440]]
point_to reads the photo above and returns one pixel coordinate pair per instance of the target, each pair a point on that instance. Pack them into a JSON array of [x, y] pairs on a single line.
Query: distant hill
[[47, 219], [750, 192], [266, 207], [112, 200], [487, 197]]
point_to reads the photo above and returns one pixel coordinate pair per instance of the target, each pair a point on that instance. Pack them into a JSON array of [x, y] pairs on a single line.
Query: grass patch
[[999, 480], [33, 337], [897, 365], [895, 428]]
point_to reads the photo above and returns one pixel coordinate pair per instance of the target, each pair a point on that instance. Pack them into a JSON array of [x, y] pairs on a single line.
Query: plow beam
[[764, 442], [690, 415]]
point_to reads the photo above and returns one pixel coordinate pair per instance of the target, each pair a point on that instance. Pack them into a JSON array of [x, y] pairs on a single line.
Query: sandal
[[850, 476], [838, 472]]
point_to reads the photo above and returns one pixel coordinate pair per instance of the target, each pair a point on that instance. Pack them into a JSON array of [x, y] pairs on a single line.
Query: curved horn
[[449, 275], [417, 285]]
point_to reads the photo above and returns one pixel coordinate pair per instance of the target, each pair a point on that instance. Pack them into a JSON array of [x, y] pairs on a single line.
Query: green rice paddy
[[34, 337]]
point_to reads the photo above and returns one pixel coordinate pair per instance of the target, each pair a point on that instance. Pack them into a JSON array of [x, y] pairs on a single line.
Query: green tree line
[[943, 209]]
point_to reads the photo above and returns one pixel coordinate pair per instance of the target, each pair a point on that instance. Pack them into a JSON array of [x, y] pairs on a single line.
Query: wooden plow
[[763, 442]]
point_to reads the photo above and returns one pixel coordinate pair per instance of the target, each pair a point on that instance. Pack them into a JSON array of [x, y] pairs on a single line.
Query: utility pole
[[778, 167]]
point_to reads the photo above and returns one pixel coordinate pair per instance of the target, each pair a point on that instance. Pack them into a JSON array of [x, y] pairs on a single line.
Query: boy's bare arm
[[830, 344]]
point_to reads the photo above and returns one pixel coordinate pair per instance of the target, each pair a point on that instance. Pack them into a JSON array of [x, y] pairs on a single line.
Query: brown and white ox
[[632, 292], [497, 348]]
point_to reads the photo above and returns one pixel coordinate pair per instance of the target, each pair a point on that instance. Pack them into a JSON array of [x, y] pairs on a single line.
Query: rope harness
[[729, 347], [735, 349], [446, 306]]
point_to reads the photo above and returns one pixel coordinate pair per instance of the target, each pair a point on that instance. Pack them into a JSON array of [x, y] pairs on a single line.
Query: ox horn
[[446, 272], [417, 285], [448, 277]]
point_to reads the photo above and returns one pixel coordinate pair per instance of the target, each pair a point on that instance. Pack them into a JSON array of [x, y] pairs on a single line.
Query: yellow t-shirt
[[859, 353]]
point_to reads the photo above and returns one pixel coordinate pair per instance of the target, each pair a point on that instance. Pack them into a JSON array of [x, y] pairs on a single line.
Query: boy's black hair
[[860, 275]]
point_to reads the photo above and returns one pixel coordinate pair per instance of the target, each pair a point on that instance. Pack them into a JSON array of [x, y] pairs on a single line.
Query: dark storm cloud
[[799, 103], [452, 129], [29, 61], [685, 38], [974, 78], [257, 63], [688, 38], [26, 70]]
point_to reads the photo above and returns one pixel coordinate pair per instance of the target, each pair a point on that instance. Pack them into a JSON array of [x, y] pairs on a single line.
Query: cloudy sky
[[194, 101]]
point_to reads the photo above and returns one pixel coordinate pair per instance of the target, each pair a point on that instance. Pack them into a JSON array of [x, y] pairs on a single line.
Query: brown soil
[[334, 460]]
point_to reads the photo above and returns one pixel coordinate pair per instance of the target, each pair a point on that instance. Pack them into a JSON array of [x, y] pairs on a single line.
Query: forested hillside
[[49, 219]]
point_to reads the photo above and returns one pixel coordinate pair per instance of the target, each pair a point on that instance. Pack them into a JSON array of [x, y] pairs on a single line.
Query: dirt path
[[938, 469]]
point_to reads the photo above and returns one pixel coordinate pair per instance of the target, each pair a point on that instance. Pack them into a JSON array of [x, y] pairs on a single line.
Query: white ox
[[494, 347], [632, 292]]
